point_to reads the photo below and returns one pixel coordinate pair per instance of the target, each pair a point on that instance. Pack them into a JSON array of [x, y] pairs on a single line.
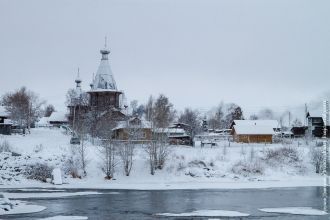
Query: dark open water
[[134, 204]]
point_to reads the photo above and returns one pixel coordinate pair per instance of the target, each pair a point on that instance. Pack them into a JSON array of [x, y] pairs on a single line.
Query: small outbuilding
[[253, 131], [5, 122], [57, 119]]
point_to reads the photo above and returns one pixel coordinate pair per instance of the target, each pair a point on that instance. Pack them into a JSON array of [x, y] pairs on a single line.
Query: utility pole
[[289, 119], [305, 115]]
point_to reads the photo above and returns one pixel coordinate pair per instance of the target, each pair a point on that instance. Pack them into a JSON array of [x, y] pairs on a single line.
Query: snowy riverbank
[[220, 167]]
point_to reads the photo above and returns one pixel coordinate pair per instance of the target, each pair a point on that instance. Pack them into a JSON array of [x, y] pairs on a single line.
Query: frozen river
[[134, 204]]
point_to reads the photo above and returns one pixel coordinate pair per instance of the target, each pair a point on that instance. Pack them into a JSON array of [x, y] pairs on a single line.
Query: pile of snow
[[295, 211], [206, 213]]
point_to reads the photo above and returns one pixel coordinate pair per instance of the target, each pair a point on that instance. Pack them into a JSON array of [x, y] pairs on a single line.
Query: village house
[[315, 126], [181, 134], [254, 131], [174, 136], [5, 122], [133, 129], [57, 119]]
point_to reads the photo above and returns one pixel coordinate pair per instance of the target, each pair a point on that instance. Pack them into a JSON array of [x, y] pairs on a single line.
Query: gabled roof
[[130, 124], [43, 121], [170, 130], [58, 116], [270, 123], [252, 129], [3, 112]]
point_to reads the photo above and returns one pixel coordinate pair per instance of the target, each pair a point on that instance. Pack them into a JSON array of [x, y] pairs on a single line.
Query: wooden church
[[104, 100]]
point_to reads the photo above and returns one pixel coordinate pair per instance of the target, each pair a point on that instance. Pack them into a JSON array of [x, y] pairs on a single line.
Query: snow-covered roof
[[43, 121], [169, 130], [3, 112], [124, 124], [105, 90], [254, 129], [58, 116], [270, 123], [7, 122], [104, 79]]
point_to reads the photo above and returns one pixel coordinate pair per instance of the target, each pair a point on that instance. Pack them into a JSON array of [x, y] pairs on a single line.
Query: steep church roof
[[104, 80]]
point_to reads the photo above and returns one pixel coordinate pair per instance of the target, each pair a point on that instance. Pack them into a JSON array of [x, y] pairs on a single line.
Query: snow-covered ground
[[223, 166]]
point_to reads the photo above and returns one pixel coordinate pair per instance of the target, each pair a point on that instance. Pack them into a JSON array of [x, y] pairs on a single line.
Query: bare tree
[[254, 117], [161, 114], [75, 98], [103, 125], [193, 119], [266, 114], [23, 106], [81, 130], [149, 108], [151, 149], [216, 117], [133, 133], [234, 112], [108, 151], [49, 110]]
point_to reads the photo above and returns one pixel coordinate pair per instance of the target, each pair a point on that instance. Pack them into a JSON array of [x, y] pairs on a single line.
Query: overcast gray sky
[[197, 52]]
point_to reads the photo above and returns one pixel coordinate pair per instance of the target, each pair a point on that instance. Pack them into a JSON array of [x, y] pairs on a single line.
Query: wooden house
[[299, 132], [57, 119], [133, 129], [5, 122], [254, 131], [315, 126], [175, 136]]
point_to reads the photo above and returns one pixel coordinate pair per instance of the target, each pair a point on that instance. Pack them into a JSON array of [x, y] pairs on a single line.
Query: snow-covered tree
[[266, 114], [160, 113], [193, 119], [49, 110], [254, 117], [103, 126], [24, 106], [216, 117], [163, 112], [234, 112]]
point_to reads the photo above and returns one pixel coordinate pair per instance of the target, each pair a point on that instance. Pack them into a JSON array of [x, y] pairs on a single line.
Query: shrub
[[317, 157], [38, 171], [71, 167], [247, 168], [286, 155], [5, 146]]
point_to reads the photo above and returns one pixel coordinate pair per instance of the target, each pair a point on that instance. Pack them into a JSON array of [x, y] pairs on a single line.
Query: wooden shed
[[253, 133], [5, 122]]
